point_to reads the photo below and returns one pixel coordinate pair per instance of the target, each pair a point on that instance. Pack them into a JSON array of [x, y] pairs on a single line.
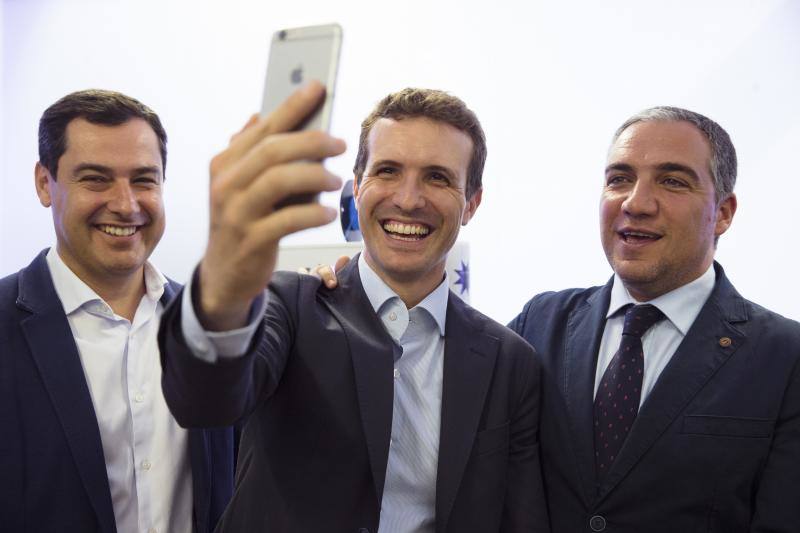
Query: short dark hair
[[434, 105], [723, 154], [96, 106]]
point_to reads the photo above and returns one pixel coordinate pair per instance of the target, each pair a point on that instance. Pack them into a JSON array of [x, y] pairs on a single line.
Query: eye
[[385, 171], [617, 179], [671, 181], [93, 178], [439, 177], [146, 181]]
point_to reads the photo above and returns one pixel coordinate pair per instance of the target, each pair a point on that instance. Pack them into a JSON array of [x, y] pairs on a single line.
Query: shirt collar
[[681, 306], [74, 292], [378, 293]]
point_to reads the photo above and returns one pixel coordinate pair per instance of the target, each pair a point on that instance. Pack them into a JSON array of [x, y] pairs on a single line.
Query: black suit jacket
[[52, 469], [716, 445], [317, 387]]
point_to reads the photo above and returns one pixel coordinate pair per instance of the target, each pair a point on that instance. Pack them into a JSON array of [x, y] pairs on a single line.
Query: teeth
[[119, 231], [637, 234], [406, 229]]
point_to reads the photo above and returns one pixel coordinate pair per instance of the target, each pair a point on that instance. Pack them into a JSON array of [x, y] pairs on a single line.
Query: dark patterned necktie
[[617, 401]]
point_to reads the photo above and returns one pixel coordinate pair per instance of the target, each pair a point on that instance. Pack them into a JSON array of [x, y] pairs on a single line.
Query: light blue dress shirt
[[409, 492]]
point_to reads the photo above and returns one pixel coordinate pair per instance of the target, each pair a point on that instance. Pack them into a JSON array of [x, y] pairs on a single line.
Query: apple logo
[[297, 74]]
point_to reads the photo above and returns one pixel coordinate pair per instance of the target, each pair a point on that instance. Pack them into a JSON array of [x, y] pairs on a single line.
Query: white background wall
[[549, 80]]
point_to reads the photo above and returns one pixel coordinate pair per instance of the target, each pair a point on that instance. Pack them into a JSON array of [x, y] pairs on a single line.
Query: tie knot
[[639, 318]]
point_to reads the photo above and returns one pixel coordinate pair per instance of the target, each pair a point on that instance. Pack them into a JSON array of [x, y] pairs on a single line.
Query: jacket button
[[597, 523]]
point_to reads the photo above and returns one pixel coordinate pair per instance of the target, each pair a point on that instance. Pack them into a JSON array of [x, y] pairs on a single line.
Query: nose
[[123, 200], [409, 194], [641, 199]]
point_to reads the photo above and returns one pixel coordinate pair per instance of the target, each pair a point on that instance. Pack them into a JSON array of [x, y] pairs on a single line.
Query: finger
[[278, 149], [286, 117], [250, 123], [268, 230], [327, 275], [341, 262], [279, 183]]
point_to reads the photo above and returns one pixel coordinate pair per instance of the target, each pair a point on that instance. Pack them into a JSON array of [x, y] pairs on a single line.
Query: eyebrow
[[663, 167], [108, 170], [677, 167], [392, 163]]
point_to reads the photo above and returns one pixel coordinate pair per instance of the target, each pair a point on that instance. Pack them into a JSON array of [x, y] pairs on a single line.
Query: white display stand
[[309, 256]]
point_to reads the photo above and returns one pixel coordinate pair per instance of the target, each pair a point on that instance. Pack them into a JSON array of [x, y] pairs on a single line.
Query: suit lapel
[[584, 331], [469, 360], [694, 363], [54, 351], [371, 349]]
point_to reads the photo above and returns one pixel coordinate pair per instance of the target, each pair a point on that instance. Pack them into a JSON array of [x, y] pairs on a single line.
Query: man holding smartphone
[[388, 405]]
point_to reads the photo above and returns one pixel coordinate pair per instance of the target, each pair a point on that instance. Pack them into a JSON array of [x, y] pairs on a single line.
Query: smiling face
[[106, 200], [411, 201], [658, 212]]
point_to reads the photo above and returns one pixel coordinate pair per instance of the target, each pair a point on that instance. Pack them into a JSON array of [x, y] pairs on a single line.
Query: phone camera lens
[[282, 35]]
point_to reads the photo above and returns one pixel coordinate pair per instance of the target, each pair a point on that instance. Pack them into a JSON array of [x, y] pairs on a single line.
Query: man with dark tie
[[388, 405], [671, 404]]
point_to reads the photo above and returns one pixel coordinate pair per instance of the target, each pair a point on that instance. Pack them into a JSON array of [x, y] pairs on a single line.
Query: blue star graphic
[[463, 277]]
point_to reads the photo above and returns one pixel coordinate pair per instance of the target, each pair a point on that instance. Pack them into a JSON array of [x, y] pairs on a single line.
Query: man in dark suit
[[691, 420], [88, 444], [388, 405]]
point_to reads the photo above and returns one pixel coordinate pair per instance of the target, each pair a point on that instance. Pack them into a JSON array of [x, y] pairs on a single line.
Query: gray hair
[[723, 154]]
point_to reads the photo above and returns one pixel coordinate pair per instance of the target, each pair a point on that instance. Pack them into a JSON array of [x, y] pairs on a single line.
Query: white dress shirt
[[146, 452], [680, 306], [409, 494]]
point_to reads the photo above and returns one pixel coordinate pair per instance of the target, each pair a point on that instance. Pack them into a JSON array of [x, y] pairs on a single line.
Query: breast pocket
[[727, 426], [492, 440]]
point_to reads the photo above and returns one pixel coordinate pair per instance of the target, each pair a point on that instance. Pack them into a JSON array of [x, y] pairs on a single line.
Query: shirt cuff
[[209, 346]]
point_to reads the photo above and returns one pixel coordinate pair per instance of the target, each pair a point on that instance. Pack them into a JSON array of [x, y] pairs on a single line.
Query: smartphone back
[[296, 56]]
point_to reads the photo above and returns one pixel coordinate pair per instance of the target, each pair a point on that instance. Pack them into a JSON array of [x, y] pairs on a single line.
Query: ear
[[725, 211], [471, 207], [42, 179]]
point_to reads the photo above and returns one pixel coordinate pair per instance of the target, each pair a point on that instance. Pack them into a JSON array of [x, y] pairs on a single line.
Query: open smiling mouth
[[638, 237], [118, 231], [406, 232]]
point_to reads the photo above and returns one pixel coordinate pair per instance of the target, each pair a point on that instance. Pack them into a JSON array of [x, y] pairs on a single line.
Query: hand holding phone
[[262, 166]]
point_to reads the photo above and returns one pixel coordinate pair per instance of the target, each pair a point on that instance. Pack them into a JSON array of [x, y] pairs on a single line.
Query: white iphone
[[297, 55]]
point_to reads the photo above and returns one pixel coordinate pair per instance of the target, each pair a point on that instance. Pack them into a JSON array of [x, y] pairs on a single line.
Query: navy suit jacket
[[716, 445], [317, 387], [52, 469]]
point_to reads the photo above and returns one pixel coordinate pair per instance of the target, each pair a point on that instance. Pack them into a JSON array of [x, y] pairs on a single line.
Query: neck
[[121, 292], [411, 288], [122, 296]]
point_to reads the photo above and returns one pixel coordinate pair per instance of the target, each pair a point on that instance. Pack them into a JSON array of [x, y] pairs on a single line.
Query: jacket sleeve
[[203, 394]]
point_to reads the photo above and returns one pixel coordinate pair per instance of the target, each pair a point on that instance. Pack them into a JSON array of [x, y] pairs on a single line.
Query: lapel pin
[[725, 342]]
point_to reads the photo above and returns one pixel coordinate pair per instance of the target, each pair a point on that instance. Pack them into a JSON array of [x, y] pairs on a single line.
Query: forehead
[[132, 143], [420, 142], [655, 142]]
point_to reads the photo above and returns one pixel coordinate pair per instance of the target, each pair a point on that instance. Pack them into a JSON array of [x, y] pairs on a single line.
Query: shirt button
[[392, 316], [146, 465], [139, 398], [597, 523], [396, 373]]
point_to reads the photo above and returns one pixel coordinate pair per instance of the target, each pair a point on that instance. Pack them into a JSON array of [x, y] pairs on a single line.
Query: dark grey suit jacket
[[716, 445], [317, 388]]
